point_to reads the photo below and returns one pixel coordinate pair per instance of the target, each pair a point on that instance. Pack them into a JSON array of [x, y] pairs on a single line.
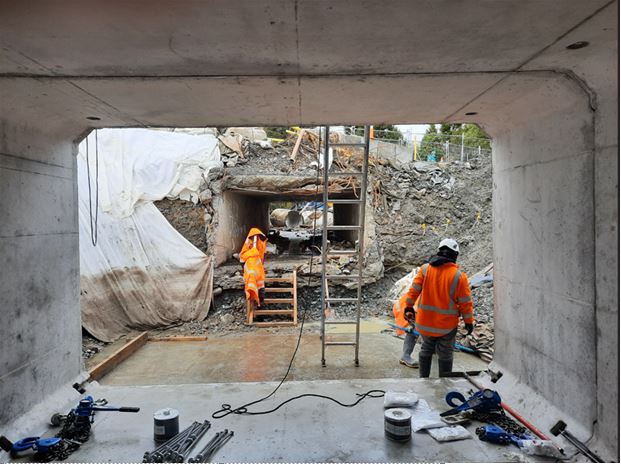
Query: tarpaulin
[[142, 273]]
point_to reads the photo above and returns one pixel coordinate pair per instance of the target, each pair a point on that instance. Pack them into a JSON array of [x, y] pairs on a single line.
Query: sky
[[413, 130]]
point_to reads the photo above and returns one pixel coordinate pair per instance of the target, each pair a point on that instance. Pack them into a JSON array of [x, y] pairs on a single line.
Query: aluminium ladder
[[326, 300]]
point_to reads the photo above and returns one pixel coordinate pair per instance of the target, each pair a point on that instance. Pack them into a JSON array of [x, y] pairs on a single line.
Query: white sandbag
[[450, 433], [423, 417], [394, 399]]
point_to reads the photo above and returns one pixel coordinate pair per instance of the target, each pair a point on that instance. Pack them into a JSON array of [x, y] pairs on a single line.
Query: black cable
[[226, 409]]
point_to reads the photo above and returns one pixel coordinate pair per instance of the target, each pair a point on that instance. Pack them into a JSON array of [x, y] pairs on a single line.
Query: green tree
[[432, 141]]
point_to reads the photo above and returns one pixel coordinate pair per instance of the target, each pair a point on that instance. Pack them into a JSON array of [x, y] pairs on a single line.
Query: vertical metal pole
[[324, 243], [447, 151], [361, 219], [462, 147]]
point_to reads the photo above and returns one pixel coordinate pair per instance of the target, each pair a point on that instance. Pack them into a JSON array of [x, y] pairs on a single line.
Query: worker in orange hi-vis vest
[[252, 257], [409, 342], [438, 296]]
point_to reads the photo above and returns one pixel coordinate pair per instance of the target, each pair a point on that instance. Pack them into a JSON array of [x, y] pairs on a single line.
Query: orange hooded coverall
[[252, 255], [439, 296]]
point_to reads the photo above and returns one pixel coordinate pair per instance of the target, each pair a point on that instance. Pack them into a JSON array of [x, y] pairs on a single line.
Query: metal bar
[[363, 199], [341, 322], [342, 276], [345, 144], [345, 201], [343, 252], [324, 243], [346, 173], [341, 300], [340, 343], [347, 227]]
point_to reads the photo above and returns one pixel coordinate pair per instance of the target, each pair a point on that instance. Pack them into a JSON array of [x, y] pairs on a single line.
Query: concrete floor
[[265, 355], [308, 429]]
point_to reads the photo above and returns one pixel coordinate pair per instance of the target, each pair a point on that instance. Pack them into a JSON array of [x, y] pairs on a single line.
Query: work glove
[[409, 314], [469, 328]]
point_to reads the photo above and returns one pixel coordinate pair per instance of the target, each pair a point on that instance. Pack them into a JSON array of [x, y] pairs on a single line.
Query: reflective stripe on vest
[[433, 329], [417, 287], [425, 269], [435, 309], [464, 299], [453, 290]]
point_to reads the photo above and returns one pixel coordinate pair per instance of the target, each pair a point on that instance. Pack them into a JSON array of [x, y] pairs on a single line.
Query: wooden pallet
[[276, 296]]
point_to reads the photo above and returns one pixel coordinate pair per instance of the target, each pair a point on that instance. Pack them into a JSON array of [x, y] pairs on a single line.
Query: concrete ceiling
[[196, 63]]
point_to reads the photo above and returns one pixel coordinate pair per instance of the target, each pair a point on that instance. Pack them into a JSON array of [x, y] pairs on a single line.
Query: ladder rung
[[348, 227], [277, 300], [345, 201], [341, 300], [344, 173], [346, 144], [279, 290], [340, 322], [269, 312], [342, 276], [340, 343], [279, 279], [343, 252]]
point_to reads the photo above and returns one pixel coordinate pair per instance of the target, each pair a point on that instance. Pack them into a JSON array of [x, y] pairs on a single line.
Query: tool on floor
[[495, 434], [217, 442], [178, 448], [561, 428], [157, 455], [459, 346], [41, 449], [76, 425], [485, 400]]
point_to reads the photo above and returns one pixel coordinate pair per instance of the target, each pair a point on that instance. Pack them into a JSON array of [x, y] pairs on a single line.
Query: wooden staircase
[[276, 296]]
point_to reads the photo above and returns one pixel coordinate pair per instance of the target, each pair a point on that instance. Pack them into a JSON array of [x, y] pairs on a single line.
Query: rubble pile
[[410, 208]]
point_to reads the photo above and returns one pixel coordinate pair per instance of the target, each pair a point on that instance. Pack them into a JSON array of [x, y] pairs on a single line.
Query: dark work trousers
[[443, 346]]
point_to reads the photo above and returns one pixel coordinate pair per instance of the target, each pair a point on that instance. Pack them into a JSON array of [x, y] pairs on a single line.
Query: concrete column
[[545, 255], [39, 290]]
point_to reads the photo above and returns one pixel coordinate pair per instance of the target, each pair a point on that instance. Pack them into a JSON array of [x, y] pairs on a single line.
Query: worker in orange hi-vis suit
[[439, 295], [252, 257]]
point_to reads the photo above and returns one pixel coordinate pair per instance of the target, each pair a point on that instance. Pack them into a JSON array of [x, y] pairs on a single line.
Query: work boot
[[445, 367], [424, 362], [408, 347], [261, 296]]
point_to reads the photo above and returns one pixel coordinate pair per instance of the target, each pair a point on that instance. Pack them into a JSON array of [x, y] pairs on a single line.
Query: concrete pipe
[[282, 217]]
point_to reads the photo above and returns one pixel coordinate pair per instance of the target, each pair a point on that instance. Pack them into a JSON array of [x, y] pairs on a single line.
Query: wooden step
[[274, 324], [268, 312], [279, 301], [279, 290]]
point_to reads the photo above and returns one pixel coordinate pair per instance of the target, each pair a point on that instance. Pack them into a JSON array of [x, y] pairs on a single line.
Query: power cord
[[95, 220], [226, 408]]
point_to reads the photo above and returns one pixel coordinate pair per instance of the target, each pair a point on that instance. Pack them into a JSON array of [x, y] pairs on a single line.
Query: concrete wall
[[237, 213], [555, 221], [39, 290]]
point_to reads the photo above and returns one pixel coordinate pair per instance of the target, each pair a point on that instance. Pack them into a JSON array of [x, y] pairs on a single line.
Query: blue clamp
[[484, 400]]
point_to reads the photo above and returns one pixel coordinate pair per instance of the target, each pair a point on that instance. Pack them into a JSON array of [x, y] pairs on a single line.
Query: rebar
[[159, 453], [212, 446]]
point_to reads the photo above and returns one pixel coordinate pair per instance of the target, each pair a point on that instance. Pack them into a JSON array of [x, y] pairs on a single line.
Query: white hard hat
[[449, 243]]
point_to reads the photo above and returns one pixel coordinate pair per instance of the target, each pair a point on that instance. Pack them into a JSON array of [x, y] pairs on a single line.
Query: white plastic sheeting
[[142, 273]]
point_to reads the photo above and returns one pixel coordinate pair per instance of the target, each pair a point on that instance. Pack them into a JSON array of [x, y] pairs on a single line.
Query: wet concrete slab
[[308, 429], [265, 356]]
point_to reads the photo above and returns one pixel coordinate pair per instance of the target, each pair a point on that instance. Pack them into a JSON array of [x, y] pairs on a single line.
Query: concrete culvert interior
[[538, 77]]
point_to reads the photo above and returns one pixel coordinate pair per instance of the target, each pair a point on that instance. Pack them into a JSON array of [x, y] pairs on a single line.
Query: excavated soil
[[414, 205]]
